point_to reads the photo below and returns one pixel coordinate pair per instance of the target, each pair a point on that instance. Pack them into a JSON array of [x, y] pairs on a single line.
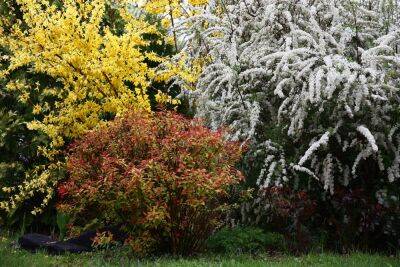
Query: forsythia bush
[[162, 176], [102, 71], [99, 72]]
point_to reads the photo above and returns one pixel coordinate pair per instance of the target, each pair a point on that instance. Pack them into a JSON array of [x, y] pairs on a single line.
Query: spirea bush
[[162, 177], [314, 86]]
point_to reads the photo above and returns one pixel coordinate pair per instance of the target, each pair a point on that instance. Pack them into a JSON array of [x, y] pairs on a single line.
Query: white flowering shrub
[[312, 84]]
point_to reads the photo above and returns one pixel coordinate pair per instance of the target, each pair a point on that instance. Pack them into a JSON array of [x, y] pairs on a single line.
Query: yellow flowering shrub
[[98, 71], [95, 65]]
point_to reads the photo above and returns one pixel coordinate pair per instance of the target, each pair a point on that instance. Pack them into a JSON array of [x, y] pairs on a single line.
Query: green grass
[[11, 256]]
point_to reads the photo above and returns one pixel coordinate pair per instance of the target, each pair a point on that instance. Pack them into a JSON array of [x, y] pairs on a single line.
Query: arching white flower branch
[[313, 84]]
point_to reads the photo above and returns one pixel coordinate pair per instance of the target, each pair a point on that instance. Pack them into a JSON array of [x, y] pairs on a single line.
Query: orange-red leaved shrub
[[162, 176]]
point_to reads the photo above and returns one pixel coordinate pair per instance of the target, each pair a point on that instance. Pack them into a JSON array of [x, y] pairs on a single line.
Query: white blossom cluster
[[325, 73]]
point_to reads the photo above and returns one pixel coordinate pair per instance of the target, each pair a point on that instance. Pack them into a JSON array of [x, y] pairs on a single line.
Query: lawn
[[11, 256]]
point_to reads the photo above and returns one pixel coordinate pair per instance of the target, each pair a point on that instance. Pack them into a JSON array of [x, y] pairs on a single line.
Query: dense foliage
[[163, 177], [245, 240], [311, 87], [18, 145]]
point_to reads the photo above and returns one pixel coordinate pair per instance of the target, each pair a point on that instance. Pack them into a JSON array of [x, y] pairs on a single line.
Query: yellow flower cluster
[[101, 71], [37, 182], [181, 67], [93, 63], [164, 98]]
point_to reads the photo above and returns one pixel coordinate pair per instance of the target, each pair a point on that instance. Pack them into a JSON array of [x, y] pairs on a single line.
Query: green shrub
[[245, 240]]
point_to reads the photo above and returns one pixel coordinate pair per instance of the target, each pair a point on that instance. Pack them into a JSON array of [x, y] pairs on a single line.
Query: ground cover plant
[[245, 240]]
